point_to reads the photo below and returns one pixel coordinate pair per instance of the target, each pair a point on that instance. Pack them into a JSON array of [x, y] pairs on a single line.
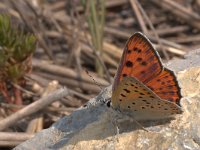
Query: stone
[[95, 126]]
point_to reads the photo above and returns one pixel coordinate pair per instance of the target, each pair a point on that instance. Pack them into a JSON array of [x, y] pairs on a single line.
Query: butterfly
[[143, 87]]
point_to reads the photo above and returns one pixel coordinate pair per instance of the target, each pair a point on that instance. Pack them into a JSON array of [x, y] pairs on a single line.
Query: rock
[[96, 127]]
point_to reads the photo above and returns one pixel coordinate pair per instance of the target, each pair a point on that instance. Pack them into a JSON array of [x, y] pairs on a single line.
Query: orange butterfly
[[143, 87]]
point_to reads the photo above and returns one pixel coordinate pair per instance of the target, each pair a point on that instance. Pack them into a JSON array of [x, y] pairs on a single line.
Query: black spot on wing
[[129, 63], [127, 91]]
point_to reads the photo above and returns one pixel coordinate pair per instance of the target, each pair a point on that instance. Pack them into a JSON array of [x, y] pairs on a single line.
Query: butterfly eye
[[108, 103]]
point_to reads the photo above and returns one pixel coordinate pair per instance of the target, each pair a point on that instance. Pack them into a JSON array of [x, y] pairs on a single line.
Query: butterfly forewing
[[139, 60], [136, 99]]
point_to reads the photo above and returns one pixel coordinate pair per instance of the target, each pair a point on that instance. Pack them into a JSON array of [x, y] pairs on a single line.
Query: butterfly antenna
[[93, 79]]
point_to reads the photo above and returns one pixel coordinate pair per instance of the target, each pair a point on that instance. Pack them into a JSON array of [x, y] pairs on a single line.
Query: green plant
[[16, 48], [95, 14]]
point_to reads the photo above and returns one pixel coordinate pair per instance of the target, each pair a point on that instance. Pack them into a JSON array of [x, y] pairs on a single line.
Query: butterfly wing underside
[[166, 86], [134, 98], [139, 60]]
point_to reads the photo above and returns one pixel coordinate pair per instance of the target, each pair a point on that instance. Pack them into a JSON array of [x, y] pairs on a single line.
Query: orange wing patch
[[139, 60], [166, 86]]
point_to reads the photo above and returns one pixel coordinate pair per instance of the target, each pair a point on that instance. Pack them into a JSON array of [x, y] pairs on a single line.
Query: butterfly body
[[143, 88]]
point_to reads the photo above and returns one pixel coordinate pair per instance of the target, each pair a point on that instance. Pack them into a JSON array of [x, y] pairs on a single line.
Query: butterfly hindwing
[[133, 97]]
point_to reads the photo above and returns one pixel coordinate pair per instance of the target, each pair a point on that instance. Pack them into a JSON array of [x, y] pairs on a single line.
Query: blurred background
[[47, 44]]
